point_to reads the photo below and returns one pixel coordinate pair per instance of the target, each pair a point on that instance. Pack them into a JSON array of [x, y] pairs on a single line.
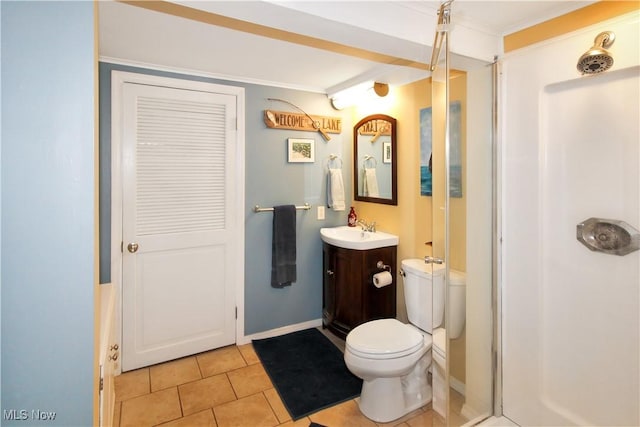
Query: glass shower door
[[463, 236]]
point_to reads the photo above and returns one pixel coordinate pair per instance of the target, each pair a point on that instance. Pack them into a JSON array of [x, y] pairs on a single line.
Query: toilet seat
[[440, 343], [385, 339]]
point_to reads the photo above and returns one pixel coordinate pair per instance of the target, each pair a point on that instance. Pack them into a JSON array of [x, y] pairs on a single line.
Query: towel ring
[[367, 158], [333, 157]]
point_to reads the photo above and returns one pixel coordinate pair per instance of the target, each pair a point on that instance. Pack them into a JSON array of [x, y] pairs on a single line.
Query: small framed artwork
[[386, 152], [301, 150]]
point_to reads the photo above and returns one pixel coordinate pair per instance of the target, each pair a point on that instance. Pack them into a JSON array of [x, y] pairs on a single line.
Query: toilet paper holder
[[382, 266]]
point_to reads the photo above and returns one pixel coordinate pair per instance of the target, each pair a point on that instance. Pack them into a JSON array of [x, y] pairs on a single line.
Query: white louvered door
[[177, 163]]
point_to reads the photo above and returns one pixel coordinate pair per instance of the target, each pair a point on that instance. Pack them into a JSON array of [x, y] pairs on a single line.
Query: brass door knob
[[132, 247]]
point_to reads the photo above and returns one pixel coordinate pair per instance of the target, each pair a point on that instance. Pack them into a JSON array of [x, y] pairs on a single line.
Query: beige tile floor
[[225, 387]]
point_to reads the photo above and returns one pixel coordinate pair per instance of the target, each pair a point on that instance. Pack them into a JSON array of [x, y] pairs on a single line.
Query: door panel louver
[[180, 174]]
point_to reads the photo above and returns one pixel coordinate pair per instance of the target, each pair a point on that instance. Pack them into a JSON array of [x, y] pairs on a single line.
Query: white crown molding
[[206, 74]]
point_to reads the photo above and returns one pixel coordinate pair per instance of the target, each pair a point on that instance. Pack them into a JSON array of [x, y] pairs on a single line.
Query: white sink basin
[[355, 238]]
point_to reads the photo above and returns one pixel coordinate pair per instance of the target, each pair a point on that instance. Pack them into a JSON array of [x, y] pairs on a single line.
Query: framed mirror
[[374, 159]]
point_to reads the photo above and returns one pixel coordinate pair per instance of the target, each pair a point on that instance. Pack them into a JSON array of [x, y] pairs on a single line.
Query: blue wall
[[270, 181], [48, 210], [0, 209]]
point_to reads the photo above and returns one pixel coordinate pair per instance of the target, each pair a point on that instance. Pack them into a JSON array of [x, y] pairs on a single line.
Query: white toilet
[[457, 305], [393, 358]]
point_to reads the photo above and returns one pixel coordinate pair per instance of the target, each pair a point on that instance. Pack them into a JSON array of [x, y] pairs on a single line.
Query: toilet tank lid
[[419, 267]]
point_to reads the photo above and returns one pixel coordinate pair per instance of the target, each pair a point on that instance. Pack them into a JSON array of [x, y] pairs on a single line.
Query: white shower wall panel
[[571, 326], [589, 299]]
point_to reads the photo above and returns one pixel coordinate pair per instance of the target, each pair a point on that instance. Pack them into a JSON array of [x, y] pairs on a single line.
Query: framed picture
[[425, 152], [386, 152], [455, 151], [301, 150]]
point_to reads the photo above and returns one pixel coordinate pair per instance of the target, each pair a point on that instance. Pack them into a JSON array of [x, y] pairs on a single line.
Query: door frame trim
[[118, 79]]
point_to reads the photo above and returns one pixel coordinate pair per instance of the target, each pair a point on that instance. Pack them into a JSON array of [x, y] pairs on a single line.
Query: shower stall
[[550, 212], [570, 275]]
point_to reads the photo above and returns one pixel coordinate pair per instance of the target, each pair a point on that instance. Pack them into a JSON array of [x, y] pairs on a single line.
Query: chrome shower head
[[597, 59]]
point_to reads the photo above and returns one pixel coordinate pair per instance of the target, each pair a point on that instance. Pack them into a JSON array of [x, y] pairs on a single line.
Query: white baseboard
[[500, 421], [471, 414], [457, 385], [280, 331]]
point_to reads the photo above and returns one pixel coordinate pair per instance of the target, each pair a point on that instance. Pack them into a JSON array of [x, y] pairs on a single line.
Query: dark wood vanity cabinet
[[349, 296]]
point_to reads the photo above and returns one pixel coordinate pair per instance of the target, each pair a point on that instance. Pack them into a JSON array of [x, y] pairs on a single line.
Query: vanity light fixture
[[358, 94]]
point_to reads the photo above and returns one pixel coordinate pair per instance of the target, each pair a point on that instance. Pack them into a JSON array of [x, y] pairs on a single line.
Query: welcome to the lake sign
[[303, 122]]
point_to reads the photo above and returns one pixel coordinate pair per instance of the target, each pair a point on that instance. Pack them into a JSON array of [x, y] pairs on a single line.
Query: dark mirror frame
[[394, 161]]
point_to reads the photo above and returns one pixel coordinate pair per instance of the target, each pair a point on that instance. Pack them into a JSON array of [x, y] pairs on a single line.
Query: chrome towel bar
[[257, 208]]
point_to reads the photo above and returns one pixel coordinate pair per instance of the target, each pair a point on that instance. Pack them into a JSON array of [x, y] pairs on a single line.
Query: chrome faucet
[[367, 227]]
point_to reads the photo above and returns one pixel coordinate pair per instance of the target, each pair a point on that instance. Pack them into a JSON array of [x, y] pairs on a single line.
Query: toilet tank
[[423, 293], [457, 303]]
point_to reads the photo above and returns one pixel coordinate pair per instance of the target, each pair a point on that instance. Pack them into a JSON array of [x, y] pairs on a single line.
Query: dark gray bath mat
[[307, 370]]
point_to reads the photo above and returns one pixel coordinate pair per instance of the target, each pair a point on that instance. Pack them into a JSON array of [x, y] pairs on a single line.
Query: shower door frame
[[495, 406], [496, 220]]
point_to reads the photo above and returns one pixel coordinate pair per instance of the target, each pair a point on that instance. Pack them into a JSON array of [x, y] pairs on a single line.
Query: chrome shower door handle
[[132, 247], [433, 260]]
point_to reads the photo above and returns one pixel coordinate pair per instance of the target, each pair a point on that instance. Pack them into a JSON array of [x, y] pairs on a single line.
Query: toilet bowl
[[457, 304], [438, 371], [392, 358]]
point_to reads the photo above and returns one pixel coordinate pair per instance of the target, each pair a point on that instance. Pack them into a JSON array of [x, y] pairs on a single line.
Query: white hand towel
[[335, 190], [365, 187], [371, 183]]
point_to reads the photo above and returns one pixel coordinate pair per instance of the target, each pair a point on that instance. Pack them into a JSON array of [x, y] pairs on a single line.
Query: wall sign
[[375, 127], [304, 122]]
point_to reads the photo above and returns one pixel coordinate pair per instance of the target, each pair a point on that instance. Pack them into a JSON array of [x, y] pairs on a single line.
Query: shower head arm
[[604, 40]]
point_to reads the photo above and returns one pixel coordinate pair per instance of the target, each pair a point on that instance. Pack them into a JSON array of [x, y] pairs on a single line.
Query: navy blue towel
[[283, 246]]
